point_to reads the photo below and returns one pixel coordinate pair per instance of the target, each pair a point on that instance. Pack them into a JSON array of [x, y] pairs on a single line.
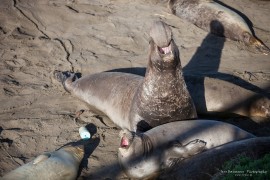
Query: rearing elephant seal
[[135, 103], [217, 19], [148, 154], [58, 165], [132, 101]]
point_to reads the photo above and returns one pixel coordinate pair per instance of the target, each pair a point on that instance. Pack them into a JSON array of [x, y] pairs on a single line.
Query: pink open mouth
[[165, 50], [124, 142]]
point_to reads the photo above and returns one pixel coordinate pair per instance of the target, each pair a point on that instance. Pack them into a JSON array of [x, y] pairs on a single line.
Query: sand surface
[[38, 37]]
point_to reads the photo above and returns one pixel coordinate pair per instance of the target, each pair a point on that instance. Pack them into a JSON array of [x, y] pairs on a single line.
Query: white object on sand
[[84, 133]]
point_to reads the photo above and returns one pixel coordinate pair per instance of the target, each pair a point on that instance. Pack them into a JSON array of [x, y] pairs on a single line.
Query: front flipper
[[178, 152], [41, 158]]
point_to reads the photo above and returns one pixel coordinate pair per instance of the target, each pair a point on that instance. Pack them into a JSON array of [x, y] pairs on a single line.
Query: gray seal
[[217, 19], [220, 98], [148, 154], [137, 103], [212, 161], [62, 164]]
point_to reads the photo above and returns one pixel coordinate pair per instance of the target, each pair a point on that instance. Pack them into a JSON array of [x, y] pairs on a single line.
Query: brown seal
[[148, 154], [217, 19], [135, 103], [62, 164]]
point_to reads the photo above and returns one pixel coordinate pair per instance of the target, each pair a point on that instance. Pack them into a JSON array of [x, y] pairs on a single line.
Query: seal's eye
[[124, 142]]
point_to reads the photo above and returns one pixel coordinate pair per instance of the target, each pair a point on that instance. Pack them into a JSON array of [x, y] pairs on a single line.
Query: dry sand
[[38, 37]]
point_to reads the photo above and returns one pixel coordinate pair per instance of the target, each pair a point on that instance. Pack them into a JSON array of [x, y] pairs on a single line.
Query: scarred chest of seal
[[163, 96]]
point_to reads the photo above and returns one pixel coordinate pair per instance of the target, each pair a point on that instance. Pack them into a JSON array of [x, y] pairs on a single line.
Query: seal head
[[139, 157]]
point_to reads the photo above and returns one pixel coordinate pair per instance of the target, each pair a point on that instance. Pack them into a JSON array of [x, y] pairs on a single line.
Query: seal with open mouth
[[132, 101], [148, 154], [137, 103]]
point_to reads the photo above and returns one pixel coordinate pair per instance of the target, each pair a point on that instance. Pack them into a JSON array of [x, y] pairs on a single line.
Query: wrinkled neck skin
[[163, 96], [163, 63]]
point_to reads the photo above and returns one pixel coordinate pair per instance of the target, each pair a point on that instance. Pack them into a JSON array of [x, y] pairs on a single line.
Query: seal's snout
[[124, 142], [161, 34], [126, 138]]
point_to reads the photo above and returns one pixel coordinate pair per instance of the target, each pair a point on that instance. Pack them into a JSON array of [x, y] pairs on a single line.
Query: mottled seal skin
[[62, 164], [148, 154], [210, 162], [137, 103], [217, 19], [224, 99]]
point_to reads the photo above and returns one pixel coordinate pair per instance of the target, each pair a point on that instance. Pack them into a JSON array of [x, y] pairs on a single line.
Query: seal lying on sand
[[208, 163], [58, 165], [147, 154], [217, 19], [221, 98], [132, 102]]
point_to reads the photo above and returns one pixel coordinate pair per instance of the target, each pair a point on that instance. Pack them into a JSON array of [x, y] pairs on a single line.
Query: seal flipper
[[177, 152], [41, 158]]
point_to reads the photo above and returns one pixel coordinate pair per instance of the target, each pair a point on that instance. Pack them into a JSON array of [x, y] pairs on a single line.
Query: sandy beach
[[38, 37]]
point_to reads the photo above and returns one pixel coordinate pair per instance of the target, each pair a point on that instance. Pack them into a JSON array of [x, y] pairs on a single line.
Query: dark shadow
[[134, 70], [207, 58], [89, 145], [205, 63], [7, 140]]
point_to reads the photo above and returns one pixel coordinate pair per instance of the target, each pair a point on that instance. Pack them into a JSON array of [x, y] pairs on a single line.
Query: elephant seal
[[137, 103], [132, 101], [62, 164], [198, 167], [217, 19], [224, 99], [147, 154]]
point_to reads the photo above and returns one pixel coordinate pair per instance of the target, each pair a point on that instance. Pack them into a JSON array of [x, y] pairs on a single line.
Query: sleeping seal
[[137, 103], [148, 154], [58, 165], [207, 164], [217, 19], [224, 99]]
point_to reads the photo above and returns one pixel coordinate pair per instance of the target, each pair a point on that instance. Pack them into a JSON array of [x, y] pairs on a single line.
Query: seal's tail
[[260, 46], [253, 42]]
